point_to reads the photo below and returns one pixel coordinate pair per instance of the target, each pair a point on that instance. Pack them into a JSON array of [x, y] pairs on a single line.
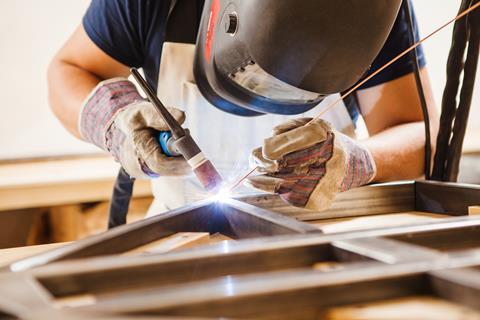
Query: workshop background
[[46, 194]]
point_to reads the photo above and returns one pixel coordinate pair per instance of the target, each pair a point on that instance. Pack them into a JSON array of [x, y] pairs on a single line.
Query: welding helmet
[[284, 56]]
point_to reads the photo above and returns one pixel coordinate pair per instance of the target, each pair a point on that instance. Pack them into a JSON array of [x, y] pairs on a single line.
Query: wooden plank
[[10, 255], [383, 250], [474, 210], [60, 181], [173, 242], [329, 226], [416, 307], [368, 200], [65, 223]]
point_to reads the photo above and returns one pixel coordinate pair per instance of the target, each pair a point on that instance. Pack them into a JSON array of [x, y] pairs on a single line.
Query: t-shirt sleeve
[[397, 42], [121, 28]]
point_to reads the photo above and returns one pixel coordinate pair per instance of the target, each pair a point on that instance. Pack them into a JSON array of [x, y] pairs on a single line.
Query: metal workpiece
[[278, 267], [237, 220], [241, 220]]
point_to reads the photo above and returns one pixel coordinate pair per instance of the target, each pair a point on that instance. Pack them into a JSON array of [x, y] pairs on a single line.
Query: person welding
[[306, 162]]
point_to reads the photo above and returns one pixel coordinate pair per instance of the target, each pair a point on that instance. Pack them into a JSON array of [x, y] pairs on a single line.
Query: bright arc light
[[222, 195]]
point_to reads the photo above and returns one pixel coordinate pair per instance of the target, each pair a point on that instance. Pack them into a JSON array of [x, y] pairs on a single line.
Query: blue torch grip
[[164, 138]]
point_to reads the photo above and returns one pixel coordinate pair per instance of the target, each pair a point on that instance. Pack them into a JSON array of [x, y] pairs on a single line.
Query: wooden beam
[[45, 183], [173, 242], [474, 210]]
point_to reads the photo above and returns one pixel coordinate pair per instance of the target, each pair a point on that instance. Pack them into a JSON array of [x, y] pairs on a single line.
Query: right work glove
[[307, 162], [118, 120]]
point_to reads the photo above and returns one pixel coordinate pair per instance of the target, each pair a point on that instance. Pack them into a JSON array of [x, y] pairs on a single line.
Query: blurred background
[[31, 31]]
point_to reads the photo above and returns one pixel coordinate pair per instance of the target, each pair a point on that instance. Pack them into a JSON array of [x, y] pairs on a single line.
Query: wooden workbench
[[52, 182], [58, 189]]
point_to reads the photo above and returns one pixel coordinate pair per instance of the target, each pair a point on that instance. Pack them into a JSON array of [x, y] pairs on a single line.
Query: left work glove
[[308, 163], [115, 118]]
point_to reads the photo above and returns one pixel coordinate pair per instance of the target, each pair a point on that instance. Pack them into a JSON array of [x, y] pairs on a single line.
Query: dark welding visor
[[285, 56]]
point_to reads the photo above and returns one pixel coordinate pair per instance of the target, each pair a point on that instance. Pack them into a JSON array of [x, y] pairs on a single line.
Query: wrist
[[361, 168], [102, 105]]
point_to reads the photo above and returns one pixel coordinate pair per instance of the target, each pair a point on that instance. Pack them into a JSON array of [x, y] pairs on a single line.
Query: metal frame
[[262, 273], [242, 220]]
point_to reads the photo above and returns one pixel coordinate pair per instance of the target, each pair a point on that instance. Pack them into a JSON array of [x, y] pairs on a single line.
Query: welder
[[306, 162]]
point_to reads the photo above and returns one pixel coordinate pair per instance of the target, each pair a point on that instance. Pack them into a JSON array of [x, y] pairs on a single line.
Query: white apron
[[225, 139]]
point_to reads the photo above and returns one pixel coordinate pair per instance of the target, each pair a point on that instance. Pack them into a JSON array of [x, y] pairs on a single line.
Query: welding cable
[[121, 196], [465, 99], [421, 92], [449, 100]]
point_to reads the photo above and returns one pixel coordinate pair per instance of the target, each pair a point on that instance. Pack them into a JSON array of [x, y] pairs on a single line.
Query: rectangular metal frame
[[265, 273]]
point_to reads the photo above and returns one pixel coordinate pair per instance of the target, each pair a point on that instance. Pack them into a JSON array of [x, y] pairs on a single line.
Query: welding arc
[[361, 83]]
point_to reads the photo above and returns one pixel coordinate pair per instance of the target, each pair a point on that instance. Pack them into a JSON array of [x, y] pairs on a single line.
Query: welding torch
[[179, 141]]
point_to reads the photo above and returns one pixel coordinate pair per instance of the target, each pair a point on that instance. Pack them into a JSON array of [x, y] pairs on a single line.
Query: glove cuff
[[102, 105], [360, 165]]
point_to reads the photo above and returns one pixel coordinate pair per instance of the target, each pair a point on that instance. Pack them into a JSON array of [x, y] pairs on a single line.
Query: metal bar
[[282, 295], [232, 218], [248, 256], [199, 217], [278, 294], [458, 285], [109, 274], [383, 250], [248, 221], [363, 201], [445, 197]]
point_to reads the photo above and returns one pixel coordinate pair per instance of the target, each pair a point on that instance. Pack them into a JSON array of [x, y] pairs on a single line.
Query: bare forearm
[[68, 87], [398, 152]]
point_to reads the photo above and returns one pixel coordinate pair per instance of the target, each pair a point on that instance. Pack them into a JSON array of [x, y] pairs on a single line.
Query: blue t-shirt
[[133, 31]]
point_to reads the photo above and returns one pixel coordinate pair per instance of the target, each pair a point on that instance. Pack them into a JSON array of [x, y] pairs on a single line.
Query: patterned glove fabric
[[115, 118], [308, 162]]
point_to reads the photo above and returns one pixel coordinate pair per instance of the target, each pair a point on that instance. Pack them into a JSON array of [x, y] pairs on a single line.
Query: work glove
[[118, 120], [307, 163]]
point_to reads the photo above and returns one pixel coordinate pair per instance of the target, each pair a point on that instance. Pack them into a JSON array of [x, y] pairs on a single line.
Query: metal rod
[[173, 125]]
